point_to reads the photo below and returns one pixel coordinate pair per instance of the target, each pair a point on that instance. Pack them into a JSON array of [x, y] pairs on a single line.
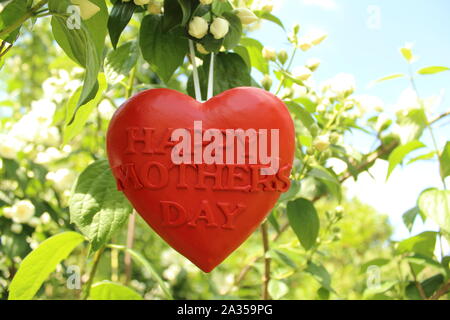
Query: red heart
[[203, 211]]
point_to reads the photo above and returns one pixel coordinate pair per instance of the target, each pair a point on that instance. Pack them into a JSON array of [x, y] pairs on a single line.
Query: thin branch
[[439, 117], [23, 18], [442, 290], [418, 284], [267, 260], [97, 257], [130, 242]]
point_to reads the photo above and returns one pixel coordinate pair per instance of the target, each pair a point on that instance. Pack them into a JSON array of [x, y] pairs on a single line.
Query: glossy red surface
[[203, 211]]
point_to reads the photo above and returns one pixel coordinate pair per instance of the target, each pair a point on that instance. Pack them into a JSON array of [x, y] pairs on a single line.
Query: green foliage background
[[316, 244]]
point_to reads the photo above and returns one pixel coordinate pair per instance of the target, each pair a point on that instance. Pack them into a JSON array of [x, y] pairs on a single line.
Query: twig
[[418, 284], [266, 277], [130, 242], [97, 257], [442, 290]]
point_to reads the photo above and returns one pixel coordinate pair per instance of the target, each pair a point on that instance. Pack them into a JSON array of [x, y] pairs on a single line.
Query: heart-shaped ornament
[[202, 175]]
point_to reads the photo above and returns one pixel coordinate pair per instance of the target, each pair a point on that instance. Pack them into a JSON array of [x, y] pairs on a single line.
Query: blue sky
[[364, 40]]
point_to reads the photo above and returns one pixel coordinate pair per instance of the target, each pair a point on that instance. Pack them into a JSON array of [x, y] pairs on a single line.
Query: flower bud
[[334, 137], [201, 49], [267, 82], [314, 129], [269, 53], [321, 143], [206, 1], [283, 56], [312, 64], [267, 8], [245, 15], [87, 8], [296, 28], [304, 44], [301, 73], [154, 7], [219, 28], [198, 27]]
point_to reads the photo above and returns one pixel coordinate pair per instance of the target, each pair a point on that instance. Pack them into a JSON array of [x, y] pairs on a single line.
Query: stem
[[97, 257], [418, 284], [132, 220], [130, 242], [31, 12], [442, 290], [266, 277], [147, 266]]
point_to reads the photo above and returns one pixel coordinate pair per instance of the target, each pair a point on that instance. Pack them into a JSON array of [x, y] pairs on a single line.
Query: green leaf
[[75, 126], [435, 204], [98, 26], [292, 192], [107, 290], [430, 286], [409, 217], [277, 289], [96, 206], [164, 51], [445, 161], [230, 71], [10, 14], [119, 18], [320, 274], [254, 48], [119, 62], [42, 261], [177, 12], [234, 34], [425, 156], [425, 261], [219, 7], [407, 54], [422, 243], [269, 17], [243, 52], [432, 70], [390, 77], [302, 114], [304, 221], [80, 46], [379, 262], [398, 154]]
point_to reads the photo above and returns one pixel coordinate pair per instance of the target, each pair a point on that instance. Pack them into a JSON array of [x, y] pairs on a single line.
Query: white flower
[[342, 84], [16, 228], [87, 8], [62, 179], [269, 53], [316, 36], [322, 142], [299, 91], [219, 28], [172, 272], [22, 211], [245, 15], [45, 218], [49, 155], [34, 222], [106, 109], [408, 100], [337, 165], [9, 146], [301, 73], [198, 27], [48, 136], [369, 103]]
